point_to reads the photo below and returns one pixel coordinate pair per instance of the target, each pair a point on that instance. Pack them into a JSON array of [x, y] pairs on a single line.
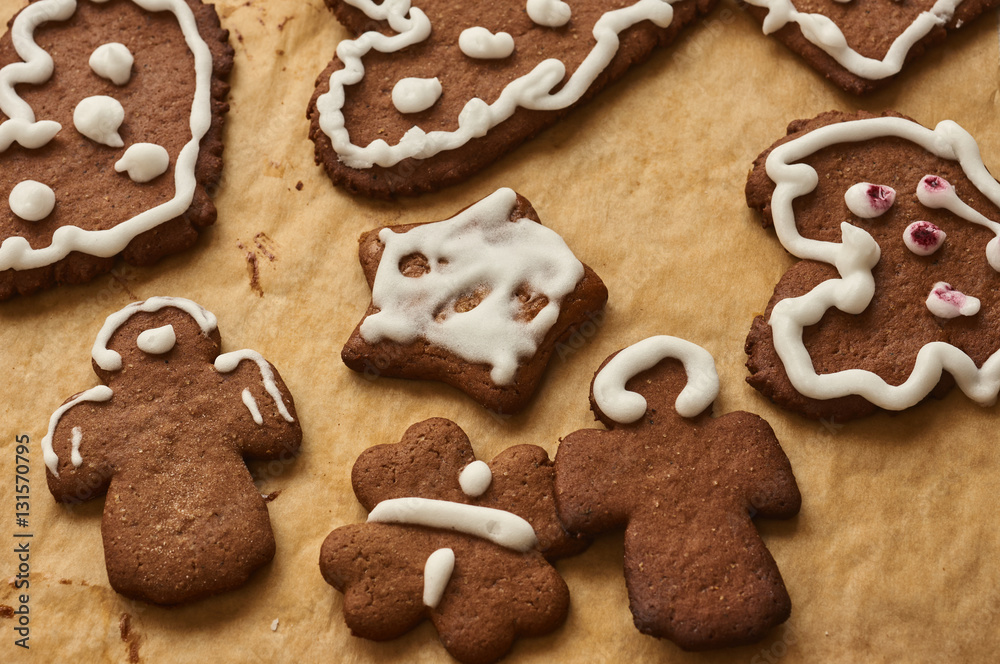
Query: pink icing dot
[[935, 183], [946, 302], [867, 200], [923, 238], [881, 198]]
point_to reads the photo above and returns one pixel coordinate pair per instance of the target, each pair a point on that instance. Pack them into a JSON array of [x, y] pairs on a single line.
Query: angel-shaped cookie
[[164, 436], [898, 293], [685, 487], [110, 135], [431, 91], [453, 540]]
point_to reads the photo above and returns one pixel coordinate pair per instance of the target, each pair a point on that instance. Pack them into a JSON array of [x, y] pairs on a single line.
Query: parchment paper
[[894, 554]]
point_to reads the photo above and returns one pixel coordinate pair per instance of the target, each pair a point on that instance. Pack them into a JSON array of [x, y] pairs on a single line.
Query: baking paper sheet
[[894, 554]]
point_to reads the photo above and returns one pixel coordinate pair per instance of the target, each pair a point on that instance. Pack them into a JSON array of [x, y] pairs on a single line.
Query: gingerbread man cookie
[[164, 436], [431, 91], [453, 540], [479, 301], [898, 293], [110, 135], [685, 486]]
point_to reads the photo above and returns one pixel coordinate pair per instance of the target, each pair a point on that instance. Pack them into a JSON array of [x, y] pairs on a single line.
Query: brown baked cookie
[[899, 296], [431, 91], [110, 136], [685, 487], [861, 45], [479, 301], [164, 436], [452, 540]]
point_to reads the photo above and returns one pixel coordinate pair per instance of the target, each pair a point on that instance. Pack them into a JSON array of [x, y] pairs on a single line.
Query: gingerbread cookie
[[453, 540], [110, 135], [685, 487], [861, 45], [898, 295], [431, 91], [164, 436], [478, 301]]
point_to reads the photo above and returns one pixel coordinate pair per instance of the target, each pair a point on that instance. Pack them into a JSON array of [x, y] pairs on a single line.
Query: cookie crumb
[[299, 185], [6, 611], [274, 625]]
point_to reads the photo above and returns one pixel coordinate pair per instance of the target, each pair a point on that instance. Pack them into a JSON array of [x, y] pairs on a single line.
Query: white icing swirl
[[144, 162], [412, 95], [482, 44], [626, 407], [549, 13], [98, 118], [112, 61], [475, 478], [31, 200], [480, 247], [437, 573], [854, 259], [498, 526], [157, 341]]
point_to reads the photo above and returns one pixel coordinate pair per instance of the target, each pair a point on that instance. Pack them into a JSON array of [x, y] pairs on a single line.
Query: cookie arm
[[588, 465], [76, 446]]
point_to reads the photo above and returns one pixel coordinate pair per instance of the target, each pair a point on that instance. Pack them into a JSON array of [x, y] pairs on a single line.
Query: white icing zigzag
[[856, 256], [824, 33], [531, 91]]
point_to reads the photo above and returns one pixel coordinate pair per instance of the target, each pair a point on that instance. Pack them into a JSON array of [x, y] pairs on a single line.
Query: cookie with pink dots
[[460, 542], [110, 135], [897, 295], [480, 301], [431, 91], [862, 45], [686, 487], [165, 436]]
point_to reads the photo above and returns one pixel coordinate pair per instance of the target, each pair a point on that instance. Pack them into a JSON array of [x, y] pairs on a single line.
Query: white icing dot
[[144, 162], [98, 118], [412, 95], [936, 192], [475, 478], [549, 13], [31, 200], [946, 302], [867, 200], [923, 238], [112, 61], [157, 341], [481, 43], [437, 573]]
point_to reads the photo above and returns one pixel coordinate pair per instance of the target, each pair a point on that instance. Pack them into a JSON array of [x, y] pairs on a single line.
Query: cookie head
[[895, 300]]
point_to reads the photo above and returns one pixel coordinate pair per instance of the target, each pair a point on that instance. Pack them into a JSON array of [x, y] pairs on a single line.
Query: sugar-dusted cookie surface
[[861, 45], [898, 297], [479, 301], [431, 91], [110, 135], [164, 436], [685, 486], [453, 540]]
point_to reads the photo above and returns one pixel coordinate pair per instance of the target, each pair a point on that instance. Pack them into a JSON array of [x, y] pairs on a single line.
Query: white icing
[[412, 95], [500, 527], [75, 441], [549, 13], [251, 405], [946, 302], [112, 61], [626, 407], [824, 33], [96, 394], [475, 478], [923, 238], [228, 362], [437, 573], [31, 200], [98, 118], [157, 341], [867, 200], [482, 44], [16, 252], [110, 360], [854, 259], [35, 68], [478, 247], [143, 162], [532, 91]]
